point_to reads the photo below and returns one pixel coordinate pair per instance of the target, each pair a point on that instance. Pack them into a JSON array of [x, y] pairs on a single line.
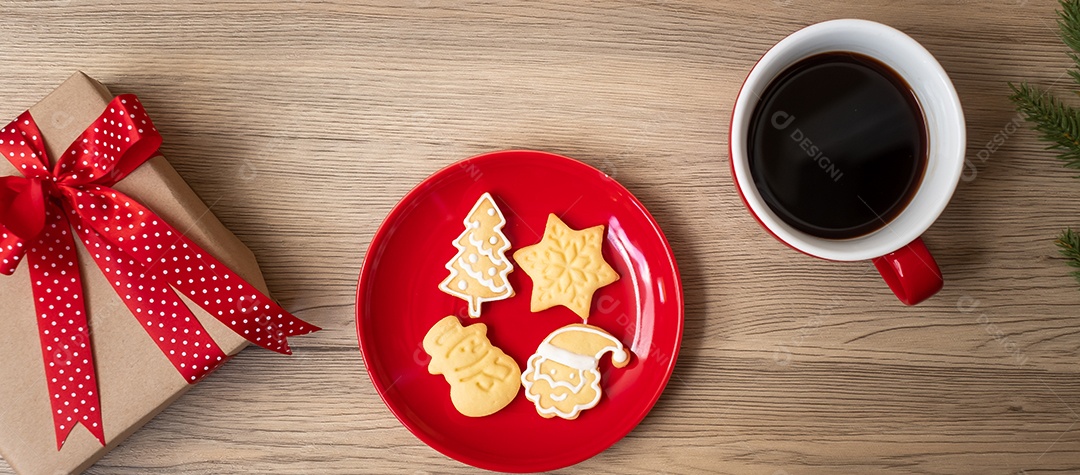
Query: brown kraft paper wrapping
[[135, 380]]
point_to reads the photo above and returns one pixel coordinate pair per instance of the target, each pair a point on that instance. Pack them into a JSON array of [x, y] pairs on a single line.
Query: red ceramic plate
[[398, 300]]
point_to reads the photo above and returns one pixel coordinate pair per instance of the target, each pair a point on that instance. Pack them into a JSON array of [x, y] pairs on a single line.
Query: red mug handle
[[910, 272]]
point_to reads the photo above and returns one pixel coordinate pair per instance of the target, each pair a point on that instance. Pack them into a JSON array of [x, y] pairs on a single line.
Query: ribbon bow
[[145, 259]]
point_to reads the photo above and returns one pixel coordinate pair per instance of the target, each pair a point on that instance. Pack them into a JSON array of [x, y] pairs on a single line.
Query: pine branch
[[1069, 242], [1069, 24], [1057, 122]]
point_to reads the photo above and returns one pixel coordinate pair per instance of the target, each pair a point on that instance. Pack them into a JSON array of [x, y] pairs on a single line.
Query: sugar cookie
[[566, 267], [478, 271], [562, 378], [482, 378]]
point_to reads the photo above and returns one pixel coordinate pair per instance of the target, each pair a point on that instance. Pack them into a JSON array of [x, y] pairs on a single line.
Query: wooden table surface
[[790, 365]]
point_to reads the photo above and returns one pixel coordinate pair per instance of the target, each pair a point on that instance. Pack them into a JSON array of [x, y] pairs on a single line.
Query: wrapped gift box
[[135, 379]]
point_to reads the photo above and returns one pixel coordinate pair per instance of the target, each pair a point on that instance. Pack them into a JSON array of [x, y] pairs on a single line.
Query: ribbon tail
[[11, 251], [64, 330], [226, 296], [177, 260], [175, 330]]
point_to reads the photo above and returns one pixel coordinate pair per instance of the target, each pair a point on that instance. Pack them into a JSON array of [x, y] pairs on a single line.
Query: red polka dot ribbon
[[149, 263]]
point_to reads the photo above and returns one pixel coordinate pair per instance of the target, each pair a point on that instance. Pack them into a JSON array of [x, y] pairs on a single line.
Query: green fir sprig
[[1069, 24], [1069, 242], [1056, 122]]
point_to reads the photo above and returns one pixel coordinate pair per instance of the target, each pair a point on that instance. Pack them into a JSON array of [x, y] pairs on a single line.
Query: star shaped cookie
[[566, 267]]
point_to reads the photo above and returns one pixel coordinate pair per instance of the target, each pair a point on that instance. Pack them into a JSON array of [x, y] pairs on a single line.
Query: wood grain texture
[[790, 365]]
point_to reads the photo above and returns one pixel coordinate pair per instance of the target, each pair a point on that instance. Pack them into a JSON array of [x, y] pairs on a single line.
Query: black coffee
[[837, 145]]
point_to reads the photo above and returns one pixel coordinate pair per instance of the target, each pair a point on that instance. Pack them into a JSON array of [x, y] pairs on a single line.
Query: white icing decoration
[[566, 357], [479, 276], [480, 246]]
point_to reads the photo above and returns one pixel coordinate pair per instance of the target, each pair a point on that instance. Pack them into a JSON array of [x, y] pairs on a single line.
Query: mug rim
[[944, 163]]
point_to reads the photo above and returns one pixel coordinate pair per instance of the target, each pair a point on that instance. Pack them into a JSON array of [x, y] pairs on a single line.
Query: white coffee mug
[[896, 249]]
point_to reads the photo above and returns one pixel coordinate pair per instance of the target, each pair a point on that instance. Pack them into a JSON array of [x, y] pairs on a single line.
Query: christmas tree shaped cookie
[[566, 267], [478, 271]]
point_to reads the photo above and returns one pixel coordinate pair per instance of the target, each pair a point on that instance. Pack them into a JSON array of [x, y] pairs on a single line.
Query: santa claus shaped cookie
[[563, 377]]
